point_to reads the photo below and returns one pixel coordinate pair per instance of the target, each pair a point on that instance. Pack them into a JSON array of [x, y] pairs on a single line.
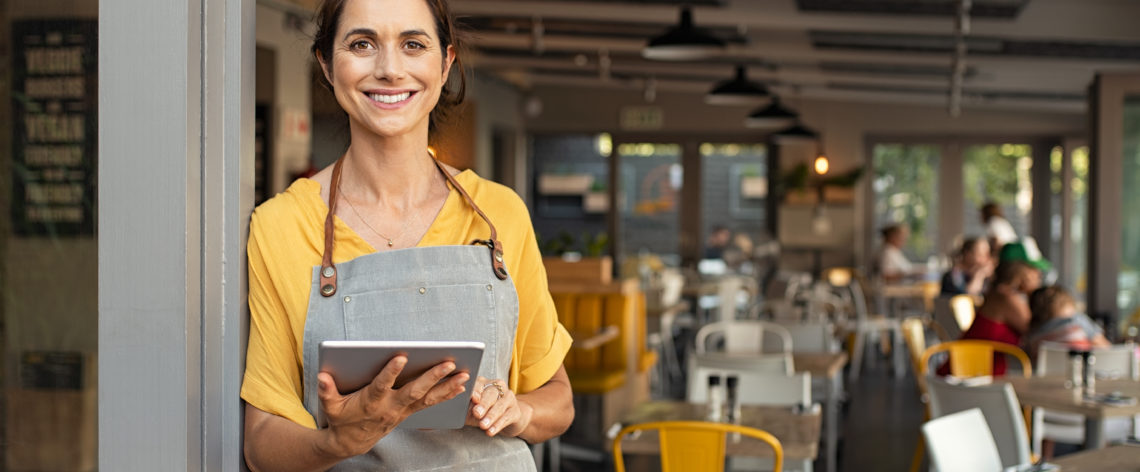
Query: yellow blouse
[[286, 237]]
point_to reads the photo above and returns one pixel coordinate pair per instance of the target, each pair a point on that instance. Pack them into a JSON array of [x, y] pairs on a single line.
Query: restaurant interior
[[709, 181], [771, 227]]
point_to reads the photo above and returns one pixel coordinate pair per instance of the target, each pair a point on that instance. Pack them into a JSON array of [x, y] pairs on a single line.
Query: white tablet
[[353, 364]]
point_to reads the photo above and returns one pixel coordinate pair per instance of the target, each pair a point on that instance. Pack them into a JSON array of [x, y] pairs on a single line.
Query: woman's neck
[[396, 171]]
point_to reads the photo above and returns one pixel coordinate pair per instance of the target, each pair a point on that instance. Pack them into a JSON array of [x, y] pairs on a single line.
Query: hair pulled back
[[327, 20]]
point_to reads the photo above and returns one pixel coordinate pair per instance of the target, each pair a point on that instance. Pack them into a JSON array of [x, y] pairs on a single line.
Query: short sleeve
[[541, 341], [272, 381], [1090, 328]]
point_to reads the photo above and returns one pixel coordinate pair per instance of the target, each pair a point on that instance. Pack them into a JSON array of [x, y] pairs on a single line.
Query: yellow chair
[[914, 334], [695, 446], [974, 357]]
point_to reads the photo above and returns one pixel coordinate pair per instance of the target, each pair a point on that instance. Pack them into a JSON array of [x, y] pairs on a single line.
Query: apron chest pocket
[[427, 313]]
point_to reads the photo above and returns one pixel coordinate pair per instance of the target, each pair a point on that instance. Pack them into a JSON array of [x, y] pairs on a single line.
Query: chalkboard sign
[[54, 117], [51, 370]]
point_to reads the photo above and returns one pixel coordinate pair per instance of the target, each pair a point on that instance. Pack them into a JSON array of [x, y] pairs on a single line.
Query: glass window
[[48, 291], [1128, 299], [651, 178], [999, 173], [571, 192], [735, 188], [906, 192]]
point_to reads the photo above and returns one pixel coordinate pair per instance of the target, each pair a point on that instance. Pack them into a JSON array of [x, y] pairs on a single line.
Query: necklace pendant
[[390, 243]]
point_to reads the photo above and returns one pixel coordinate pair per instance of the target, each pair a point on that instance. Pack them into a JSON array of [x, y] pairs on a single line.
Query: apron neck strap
[[328, 269]]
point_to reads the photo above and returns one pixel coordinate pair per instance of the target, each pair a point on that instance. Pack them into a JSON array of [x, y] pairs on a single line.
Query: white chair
[[744, 337], [953, 315], [757, 388], [866, 325], [998, 404], [961, 442], [811, 336], [1118, 361]]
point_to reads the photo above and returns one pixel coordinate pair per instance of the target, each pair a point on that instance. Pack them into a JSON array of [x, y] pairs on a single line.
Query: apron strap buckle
[[497, 263]]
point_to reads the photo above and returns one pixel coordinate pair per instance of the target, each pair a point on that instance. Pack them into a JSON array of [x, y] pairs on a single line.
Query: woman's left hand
[[496, 410]]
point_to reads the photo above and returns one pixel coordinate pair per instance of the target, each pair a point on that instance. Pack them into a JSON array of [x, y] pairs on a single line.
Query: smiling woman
[[424, 253]]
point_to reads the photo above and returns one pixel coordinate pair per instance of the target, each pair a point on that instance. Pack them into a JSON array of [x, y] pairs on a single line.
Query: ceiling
[[1026, 54]]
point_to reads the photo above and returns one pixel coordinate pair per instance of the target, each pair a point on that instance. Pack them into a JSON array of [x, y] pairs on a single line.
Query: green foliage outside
[[906, 192], [992, 173]]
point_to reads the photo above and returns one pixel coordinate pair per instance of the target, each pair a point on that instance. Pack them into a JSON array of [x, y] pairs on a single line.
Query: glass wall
[[906, 191], [997, 173], [48, 286], [651, 178], [571, 192], [735, 189], [1128, 299]]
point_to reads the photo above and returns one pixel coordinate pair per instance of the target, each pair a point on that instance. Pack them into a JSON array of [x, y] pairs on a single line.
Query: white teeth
[[389, 99]]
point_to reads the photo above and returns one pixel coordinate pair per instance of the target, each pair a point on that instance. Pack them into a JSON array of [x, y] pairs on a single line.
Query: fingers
[[501, 413], [326, 388], [384, 381], [418, 388], [446, 390]]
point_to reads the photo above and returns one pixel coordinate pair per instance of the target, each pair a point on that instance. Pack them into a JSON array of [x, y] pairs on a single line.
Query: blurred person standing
[[998, 229]]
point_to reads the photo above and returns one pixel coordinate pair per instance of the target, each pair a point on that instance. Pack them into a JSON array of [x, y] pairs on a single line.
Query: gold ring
[[497, 387]]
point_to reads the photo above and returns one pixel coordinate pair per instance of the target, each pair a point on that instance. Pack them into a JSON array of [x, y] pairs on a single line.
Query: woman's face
[[388, 66]]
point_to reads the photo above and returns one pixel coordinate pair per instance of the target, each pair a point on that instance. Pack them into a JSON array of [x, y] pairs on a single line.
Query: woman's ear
[[324, 68]]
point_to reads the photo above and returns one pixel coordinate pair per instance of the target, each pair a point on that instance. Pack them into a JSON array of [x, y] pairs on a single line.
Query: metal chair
[[744, 336], [974, 357], [1000, 408], [914, 334], [962, 441], [695, 445], [953, 316]]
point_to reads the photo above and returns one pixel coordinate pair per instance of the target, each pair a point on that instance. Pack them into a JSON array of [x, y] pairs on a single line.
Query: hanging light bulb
[[821, 164]]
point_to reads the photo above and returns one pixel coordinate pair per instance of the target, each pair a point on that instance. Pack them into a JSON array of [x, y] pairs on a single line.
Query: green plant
[[595, 245]]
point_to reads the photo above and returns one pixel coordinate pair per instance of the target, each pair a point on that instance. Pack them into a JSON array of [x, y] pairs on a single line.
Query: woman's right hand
[[357, 420]]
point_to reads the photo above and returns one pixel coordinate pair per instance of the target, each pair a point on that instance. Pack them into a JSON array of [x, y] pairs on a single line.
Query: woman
[[379, 246], [1004, 315], [971, 269]]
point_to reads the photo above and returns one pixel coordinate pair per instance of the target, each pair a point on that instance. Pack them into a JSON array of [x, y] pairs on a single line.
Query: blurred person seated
[[1026, 250], [998, 229], [717, 242], [738, 254], [1055, 319], [973, 265], [891, 265], [1004, 315]]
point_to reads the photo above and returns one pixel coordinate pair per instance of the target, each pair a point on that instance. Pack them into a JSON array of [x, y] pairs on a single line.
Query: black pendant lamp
[[684, 42], [774, 115], [797, 133], [737, 90]]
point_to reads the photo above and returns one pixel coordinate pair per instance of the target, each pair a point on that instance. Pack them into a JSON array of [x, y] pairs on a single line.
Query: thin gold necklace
[[391, 241]]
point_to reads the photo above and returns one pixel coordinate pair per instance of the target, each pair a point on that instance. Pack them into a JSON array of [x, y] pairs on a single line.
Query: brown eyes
[[362, 45]]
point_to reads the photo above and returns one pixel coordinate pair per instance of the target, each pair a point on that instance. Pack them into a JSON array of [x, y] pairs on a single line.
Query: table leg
[[832, 418], [1094, 433]]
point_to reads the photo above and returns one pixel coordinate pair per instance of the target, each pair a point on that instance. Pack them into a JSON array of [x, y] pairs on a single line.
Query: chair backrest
[[998, 404], [944, 320], [755, 388], [974, 357], [744, 336], [914, 334], [963, 309], [695, 445], [961, 441], [812, 336], [1116, 361]]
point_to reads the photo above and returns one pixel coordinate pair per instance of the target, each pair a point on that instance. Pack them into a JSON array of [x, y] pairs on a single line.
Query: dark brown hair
[[990, 210], [328, 20], [1009, 272], [1046, 303]]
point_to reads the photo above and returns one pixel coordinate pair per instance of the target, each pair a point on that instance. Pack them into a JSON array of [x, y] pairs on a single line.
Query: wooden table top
[[1123, 458], [820, 364], [798, 432], [1050, 392]]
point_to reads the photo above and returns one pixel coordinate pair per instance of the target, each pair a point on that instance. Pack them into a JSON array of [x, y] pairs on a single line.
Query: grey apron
[[442, 293]]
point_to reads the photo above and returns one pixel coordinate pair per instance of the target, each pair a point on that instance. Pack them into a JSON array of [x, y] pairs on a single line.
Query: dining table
[[798, 430], [826, 366], [1121, 458], [1053, 392]]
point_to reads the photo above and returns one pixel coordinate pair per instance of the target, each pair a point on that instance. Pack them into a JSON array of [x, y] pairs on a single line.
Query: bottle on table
[[715, 399]]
